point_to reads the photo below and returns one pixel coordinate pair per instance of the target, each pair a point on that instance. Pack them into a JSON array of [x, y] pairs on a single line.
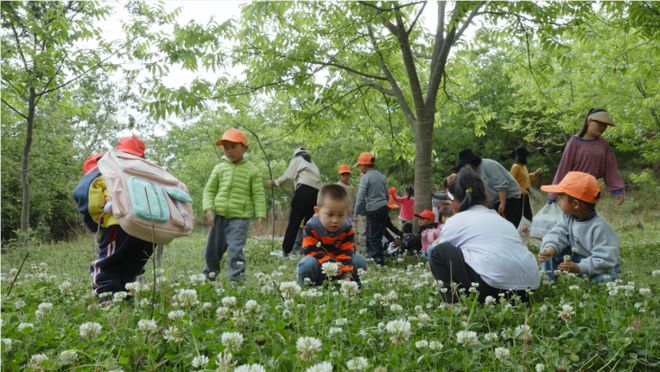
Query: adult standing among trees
[[306, 183], [502, 189], [521, 174], [588, 152]]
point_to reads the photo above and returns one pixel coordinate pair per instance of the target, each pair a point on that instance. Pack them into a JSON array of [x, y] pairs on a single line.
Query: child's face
[[363, 168], [424, 222], [345, 178], [568, 206], [332, 213], [595, 128], [234, 151]]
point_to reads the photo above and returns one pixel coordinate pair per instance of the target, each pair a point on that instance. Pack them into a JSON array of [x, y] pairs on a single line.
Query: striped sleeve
[[345, 249], [312, 245]]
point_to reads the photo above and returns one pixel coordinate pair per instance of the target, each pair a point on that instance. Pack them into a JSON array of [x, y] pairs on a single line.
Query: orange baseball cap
[[233, 135], [366, 158], [579, 185], [427, 213], [344, 168], [131, 145]]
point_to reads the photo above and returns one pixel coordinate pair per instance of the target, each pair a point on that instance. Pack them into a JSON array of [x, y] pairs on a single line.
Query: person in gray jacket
[[502, 189], [581, 242]]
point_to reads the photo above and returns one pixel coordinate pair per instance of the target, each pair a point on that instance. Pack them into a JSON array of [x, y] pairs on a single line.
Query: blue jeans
[[308, 267], [376, 221], [552, 264], [226, 234]]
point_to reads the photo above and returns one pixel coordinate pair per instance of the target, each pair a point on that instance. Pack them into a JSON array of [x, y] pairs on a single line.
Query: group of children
[[234, 194]]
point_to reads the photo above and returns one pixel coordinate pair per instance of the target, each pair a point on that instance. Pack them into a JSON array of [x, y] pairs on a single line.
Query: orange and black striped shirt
[[327, 246]]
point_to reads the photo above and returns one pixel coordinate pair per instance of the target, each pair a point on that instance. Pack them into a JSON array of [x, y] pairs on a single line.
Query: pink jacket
[[407, 207], [429, 236]]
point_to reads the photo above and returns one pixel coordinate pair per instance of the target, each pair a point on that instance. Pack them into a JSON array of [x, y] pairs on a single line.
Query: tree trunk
[[25, 179], [423, 163]]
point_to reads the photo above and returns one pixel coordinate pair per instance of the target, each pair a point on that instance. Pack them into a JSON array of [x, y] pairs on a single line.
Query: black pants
[[526, 207], [512, 210], [121, 259], [448, 265], [376, 222], [302, 209], [389, 229]]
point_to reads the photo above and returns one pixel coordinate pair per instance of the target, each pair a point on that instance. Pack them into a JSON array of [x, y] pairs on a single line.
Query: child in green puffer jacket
[[233, 194]]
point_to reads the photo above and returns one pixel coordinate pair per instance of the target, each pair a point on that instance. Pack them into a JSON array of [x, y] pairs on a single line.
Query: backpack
[[147, 201]]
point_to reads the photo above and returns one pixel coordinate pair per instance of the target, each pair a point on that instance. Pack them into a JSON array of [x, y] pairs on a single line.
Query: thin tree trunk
[[423, 163], [25, 169]]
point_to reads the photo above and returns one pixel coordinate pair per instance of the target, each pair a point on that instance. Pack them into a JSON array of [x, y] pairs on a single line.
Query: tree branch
[[409, 63], [13, 109], [381, 9], [377, 86], [439, 36], [412, 25], [20, 49]]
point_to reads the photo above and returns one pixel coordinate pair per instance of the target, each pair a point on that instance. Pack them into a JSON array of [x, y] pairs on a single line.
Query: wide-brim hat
[[602, 117]]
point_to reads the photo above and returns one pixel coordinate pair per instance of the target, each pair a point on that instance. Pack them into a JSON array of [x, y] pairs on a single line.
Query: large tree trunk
[[25, 175], [423, 163]]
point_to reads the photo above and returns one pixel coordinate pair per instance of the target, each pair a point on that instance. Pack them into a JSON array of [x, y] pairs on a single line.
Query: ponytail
[[410, 191], [468, 189], [585, 127]]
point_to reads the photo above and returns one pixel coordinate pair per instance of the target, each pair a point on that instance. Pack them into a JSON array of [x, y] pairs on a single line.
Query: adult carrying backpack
[[147, 201]]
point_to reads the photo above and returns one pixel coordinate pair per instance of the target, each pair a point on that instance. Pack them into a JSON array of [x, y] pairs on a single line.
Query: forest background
[[337, 78]]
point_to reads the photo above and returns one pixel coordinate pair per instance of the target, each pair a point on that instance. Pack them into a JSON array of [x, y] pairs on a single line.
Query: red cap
[[344, 168], [131, 145], [90, 164], [233, 135], [579, 185], [427, 213], [366, 158]]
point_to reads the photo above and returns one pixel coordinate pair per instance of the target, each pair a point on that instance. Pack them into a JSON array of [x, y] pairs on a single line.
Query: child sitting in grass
[[430, 236], [328, 238], [581, 242]]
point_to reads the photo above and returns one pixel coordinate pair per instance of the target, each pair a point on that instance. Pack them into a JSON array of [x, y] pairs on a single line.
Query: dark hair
[[590, 207], [304, 154], [446, 211], [585, 127], [407, 228], [468, 189], [332, 191], [521, 154], [410, 191]]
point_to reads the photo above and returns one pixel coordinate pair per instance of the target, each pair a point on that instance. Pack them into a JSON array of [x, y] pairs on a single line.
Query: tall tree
[[44, 50]]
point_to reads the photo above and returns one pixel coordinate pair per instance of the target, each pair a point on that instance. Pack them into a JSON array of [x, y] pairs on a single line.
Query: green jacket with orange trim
[[235, 190], [326, 246]]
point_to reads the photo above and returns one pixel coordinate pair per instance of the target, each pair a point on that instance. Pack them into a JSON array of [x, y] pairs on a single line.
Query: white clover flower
[[186, 298], [655, 273], [200, 361], [435, 345], [36, 360], [147, 325], [333, 331], [222, 313], [23, 326], [250, 368], [467, 338], [172, 335], [320, 367], [134, 287], [490, 300], [491, 336], [399, 330], [176, 314], [68, 357], [19, 304], [574, 287], [421, 344], [143, 303], [311, 293], [349, 289], [119, 296], [289, 289], [539, 367], [357, 364], [423, 317], [308, 347], [502, 353], [6, 344], [66, 288], [523, 332], [340, 322], [251, 306], [90, 330], [566, 312], [229, 301], [13, 272], [232, 341], [330, 269], [543, 308], [645, 291], [206, 306], [224, 361], [396, 308], [197, 279], [567, 258]]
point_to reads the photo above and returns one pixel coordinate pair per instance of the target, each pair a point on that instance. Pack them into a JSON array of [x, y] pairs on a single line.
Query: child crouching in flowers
[[581, 230], [328, 241]]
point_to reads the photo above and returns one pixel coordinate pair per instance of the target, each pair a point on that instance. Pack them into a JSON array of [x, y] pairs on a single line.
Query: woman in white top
[[477, 245], [306, 183]]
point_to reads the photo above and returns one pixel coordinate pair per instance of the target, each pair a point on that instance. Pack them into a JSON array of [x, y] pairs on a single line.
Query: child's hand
[[546, 253], [538, 171], [618, 199], [569, 266], [259, 227], [500, 208], [347, 276], [210, 216]]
